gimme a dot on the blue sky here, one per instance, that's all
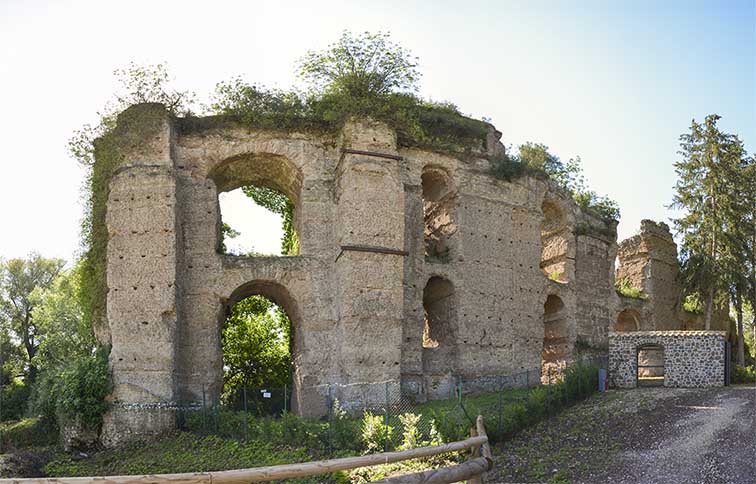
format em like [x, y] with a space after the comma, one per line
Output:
[614, 82]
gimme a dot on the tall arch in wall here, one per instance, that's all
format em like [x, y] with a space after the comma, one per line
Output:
[282, 297]
[439, 213]
[440, 326]
[556, 349]
[554, 242]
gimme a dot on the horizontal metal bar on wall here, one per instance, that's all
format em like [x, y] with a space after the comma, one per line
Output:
[374, 153]
[368, 248]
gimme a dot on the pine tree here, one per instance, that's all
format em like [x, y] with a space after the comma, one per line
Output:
[708, 193]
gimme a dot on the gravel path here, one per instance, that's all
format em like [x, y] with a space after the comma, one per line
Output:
[644, 436]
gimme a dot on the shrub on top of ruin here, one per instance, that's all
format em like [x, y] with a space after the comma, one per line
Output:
[626, 289]
[534, 159]
[361, 66]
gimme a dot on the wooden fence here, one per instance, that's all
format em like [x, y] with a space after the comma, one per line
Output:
[474, 469]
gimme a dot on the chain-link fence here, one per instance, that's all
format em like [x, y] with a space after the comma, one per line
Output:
[382, 416]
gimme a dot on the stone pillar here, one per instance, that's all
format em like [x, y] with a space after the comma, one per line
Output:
[649, 262]
[370, 266]
[141, 274]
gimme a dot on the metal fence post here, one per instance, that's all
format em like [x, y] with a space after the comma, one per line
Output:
[246, 415]
[501, 406]
[204, 410]
[386, 420]
[217, 415]
[459, 406]
[330, 411]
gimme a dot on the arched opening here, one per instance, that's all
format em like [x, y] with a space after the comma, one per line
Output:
[439, 199]
[555, 340]
[259, 349]
[554, 242]
[650, 365]
[439, 326]
[627, 320]
[258, 196]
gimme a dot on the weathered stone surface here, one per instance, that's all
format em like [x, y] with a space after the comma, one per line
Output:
[690, 358]
[442, 226]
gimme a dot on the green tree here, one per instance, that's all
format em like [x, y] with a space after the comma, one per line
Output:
[22, 282]
[256, 346]
[361, 66]
[745, 226]
[59, 314]
[280, 204]
[137, 84]
[706, 192]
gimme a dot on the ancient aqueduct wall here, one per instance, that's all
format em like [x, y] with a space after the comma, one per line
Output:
[510, 274]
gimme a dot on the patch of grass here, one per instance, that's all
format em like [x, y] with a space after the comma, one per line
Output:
[242, 440]
[26, 433]
[179, 452]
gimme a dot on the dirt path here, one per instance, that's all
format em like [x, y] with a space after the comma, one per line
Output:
[644, 436]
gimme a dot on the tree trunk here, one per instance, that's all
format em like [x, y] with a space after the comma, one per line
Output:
[741, 336]
[709, 307]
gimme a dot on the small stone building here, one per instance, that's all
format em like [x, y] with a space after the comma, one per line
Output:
[668, 358]
[414, 267]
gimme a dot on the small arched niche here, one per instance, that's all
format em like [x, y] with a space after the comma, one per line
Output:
[258, 201]
[628, 320]
[650, 365]
[439, 325]
[554, 242]
[439, 217]
[555, 339]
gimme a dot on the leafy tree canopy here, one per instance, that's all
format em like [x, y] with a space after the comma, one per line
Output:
[22, 282]
[361, 66]
[256, 352]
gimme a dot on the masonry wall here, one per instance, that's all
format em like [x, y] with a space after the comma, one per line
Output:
[691, 358]
[356, 292]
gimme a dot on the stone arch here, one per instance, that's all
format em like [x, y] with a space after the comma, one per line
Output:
[555, 338]
[439, 212]
[440, 326]
[650, 364]
[266, 170]
[628, 320]
[555, 241]
[282, 297]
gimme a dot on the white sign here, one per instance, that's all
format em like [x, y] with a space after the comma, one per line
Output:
[266, 394]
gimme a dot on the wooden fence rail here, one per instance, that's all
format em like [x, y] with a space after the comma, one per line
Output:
[476, 466]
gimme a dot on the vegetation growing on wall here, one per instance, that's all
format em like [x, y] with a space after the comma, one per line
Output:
[363, 75]
[534, 159]
[626, 289]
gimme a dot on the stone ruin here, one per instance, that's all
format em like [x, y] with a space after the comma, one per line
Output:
[415, 267]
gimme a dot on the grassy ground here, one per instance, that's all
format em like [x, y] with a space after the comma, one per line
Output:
[232, 440]
[581, 441]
